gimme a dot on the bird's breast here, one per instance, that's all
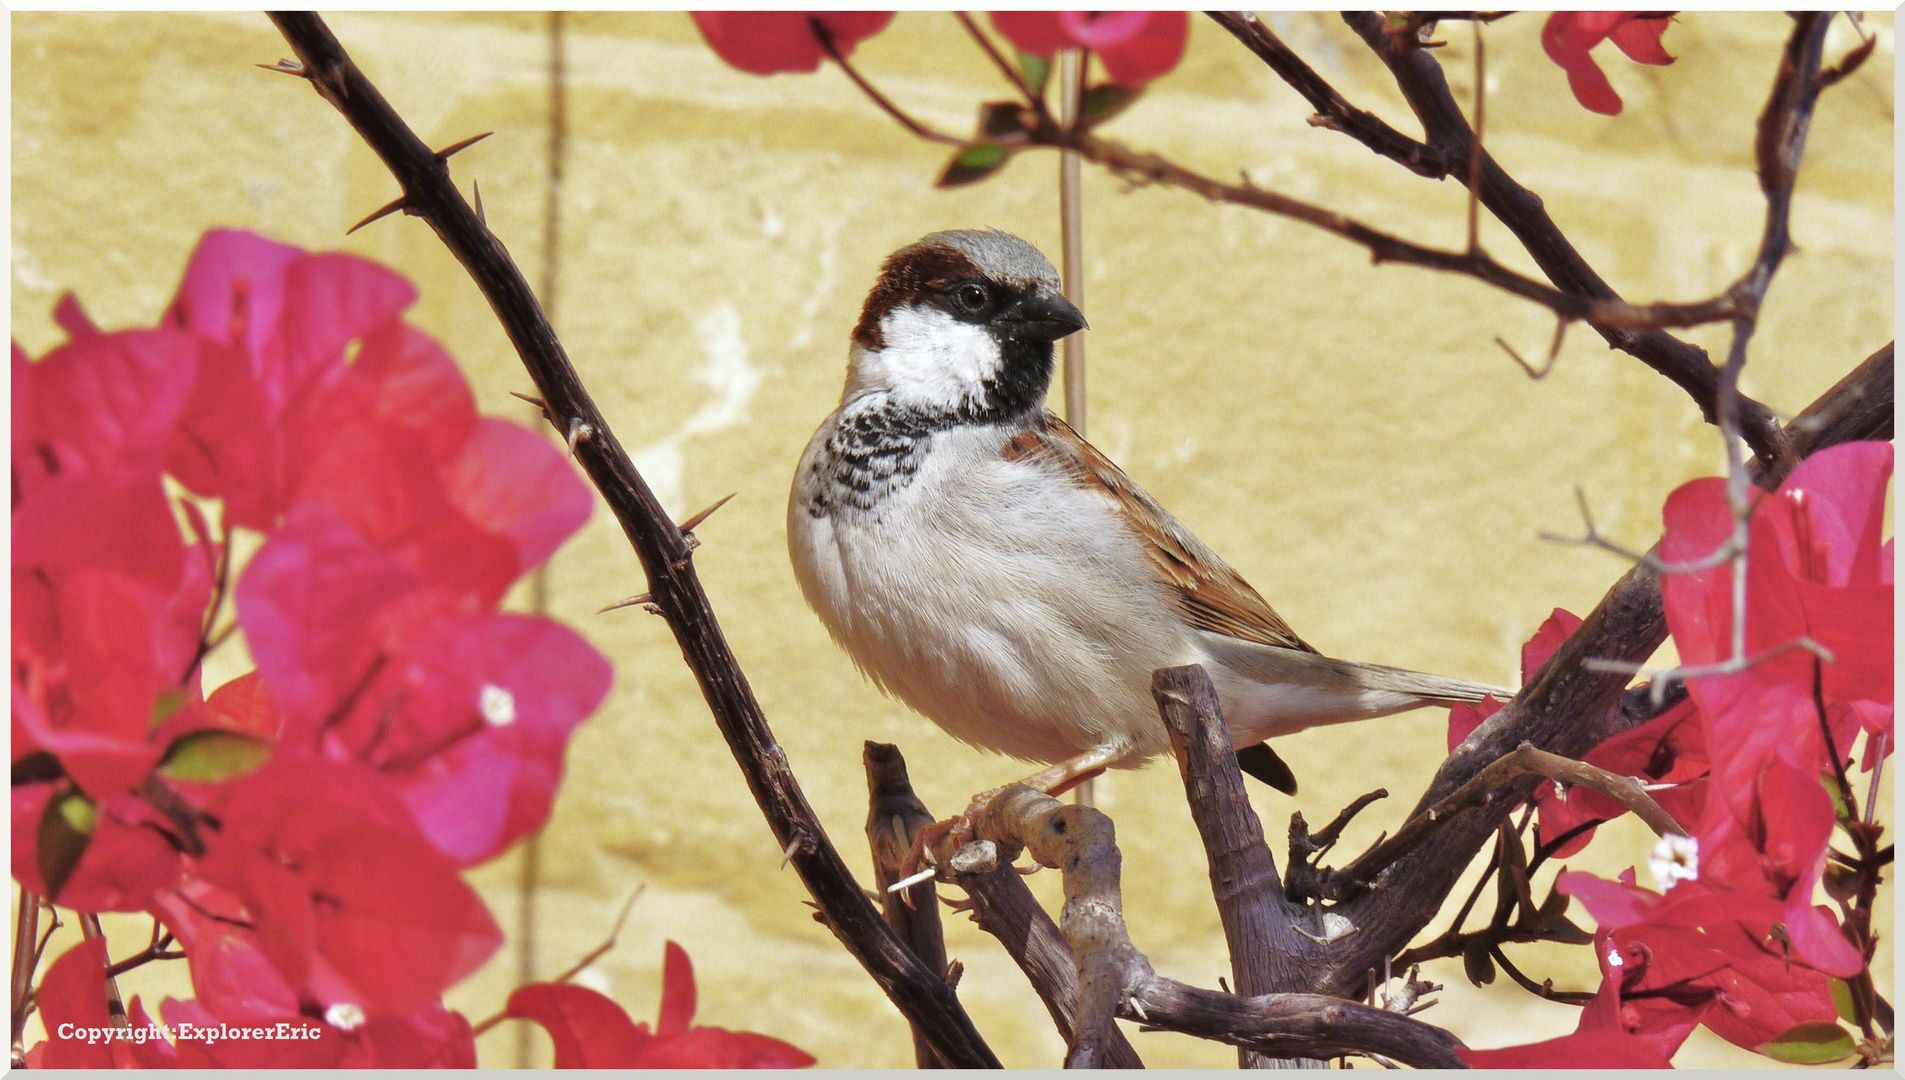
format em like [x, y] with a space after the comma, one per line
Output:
[1010, 606]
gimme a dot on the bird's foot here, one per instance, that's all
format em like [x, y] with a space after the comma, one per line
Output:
[960, 829]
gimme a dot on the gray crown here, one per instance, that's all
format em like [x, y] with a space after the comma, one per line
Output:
[1000, 256]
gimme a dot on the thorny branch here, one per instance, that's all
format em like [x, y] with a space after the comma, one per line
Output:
[920, 993]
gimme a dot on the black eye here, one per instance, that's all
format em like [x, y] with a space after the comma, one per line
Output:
[971, 297]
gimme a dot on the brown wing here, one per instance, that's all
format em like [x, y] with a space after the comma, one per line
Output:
[1210, 595]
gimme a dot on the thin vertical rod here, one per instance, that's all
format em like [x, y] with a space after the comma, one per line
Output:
[1071, 218]
[1071, 210]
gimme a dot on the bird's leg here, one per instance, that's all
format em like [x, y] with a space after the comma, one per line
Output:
[1053, 780]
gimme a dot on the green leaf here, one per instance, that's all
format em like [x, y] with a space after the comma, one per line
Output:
[1101, 103]
[212, 757]
[1842, 1001]
[66, 828]
[1037, 69]
[1813, 1043]
[974, 163]
[1477, 964]
[168, 703]
[1839, 807]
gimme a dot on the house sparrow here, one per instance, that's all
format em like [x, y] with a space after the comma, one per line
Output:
[981, 561]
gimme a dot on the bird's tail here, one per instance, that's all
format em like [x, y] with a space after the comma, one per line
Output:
[1428, 688]
[1270, 691]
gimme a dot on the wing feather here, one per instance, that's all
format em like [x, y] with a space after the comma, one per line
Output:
[1210, 595]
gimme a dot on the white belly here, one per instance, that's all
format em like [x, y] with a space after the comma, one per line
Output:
[1010, 609]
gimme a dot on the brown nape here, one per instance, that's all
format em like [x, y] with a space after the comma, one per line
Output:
[909, 274]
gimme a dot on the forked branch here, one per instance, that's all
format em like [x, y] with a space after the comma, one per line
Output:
[1447, 150]
[1116, 979]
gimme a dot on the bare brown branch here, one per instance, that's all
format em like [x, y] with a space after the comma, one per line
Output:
[1267, 953]
[1609, 314]
[886, 104]
[895, 817]
[920, 993]
[25, 959]
[1483, 790]
[1115, 978]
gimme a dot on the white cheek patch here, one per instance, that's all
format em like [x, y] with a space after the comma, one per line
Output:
[929, 358]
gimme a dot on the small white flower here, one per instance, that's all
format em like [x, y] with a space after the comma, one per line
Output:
[497, 705]
[345, 1016]
[1675, 859]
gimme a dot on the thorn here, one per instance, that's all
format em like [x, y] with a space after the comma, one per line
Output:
[536, 401]
[480, 218]
[1222, 985]
[1138, 1007]
[286, 67]
[954, 969]
[688, 526]
[444, 154]
[646, 600]
[957, 905]
[799, 840]
[1028, 871]
[907, 883]
[387, 210]
[579, 432]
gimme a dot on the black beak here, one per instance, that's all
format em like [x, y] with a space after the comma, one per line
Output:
[1047, 318]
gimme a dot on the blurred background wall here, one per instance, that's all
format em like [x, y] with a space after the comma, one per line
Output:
[1348, 436]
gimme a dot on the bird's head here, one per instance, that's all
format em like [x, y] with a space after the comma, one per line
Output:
[962, 324]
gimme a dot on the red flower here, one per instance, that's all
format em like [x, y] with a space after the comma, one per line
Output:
[768, 42]
[468, 713]
[1136, 46]
[1701, 953]
[350, 905]
[273, 322]
[107, 606]
[1581, 1050]
[1569, 36]
[128, 853]
[1816, 567]
[1780, 851]
[73, 999]
[99, 401]
[592, 1032]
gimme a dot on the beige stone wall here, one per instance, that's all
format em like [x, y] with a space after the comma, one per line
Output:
[1347, 435]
